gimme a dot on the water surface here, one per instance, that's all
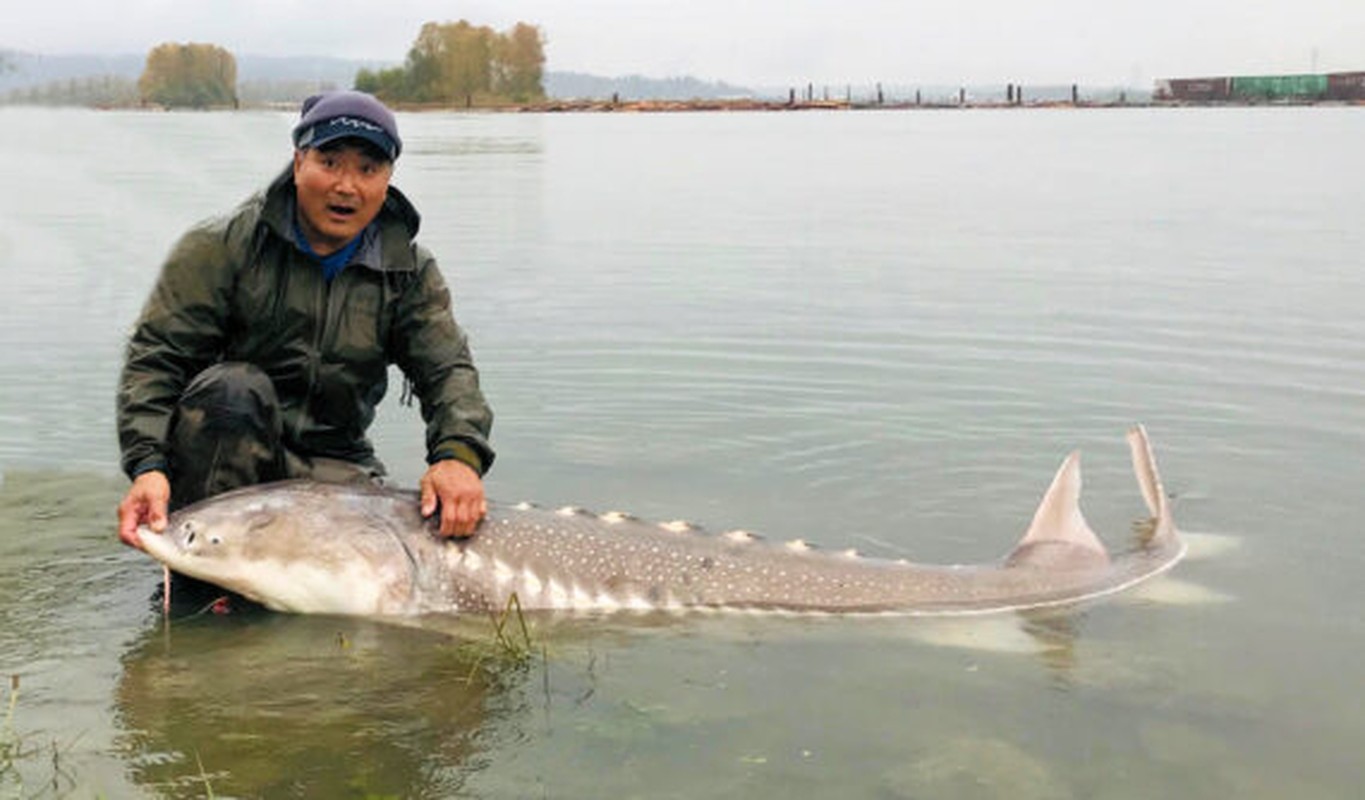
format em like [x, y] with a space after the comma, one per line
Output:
[872, 330]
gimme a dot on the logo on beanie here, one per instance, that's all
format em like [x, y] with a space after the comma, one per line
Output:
[356, 122]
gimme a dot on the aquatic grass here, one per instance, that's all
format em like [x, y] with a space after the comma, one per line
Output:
[14, 750]
[12, 746]
[203, 776]
[511, 644]
[517, 650]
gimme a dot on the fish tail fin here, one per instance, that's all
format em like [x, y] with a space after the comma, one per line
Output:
[1149, 480]
[1059, 536]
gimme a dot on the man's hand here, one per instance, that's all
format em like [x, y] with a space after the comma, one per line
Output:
[455, 487]
[145, 503]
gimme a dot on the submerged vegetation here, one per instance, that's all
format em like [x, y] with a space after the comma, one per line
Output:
[16, 752]
[517, 649]
[11, 746]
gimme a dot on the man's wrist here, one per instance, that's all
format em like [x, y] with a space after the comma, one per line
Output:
[457, 451]
[150, 464]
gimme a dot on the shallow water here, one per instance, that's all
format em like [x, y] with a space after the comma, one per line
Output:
[871, 330]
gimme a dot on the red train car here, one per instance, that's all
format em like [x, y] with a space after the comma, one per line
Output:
[1346, 85]
[1194, 90]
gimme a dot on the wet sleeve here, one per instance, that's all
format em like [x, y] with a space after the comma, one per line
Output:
[433, 352]
[179, 332]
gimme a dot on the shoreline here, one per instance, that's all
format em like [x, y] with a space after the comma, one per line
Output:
[739, 105]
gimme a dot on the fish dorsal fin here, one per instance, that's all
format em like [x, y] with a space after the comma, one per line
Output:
[1059, 532]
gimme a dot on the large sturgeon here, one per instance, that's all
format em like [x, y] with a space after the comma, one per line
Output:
[309, 547]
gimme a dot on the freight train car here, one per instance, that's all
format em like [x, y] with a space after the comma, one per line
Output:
[1194, 90]
[1272, 88]
[1346, 86]
[1341, 86]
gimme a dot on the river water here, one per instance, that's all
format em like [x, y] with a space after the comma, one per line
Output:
[880, 330]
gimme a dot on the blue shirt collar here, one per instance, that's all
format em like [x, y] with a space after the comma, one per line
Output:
[332, 264]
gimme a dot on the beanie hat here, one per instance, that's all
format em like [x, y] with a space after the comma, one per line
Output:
[342, 114]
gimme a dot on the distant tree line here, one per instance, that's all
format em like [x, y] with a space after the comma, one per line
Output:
[103, 91]
[280, 91]
[462, 64]
[189, 75]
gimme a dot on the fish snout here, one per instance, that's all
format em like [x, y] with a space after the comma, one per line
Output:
[182, 538]
[133, 538]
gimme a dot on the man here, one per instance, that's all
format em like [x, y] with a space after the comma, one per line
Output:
[264, 346]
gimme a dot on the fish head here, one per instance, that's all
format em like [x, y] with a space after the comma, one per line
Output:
[285, 553]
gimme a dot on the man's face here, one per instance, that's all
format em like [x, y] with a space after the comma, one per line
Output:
[340, 190]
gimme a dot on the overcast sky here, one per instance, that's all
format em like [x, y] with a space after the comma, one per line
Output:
[758, 42]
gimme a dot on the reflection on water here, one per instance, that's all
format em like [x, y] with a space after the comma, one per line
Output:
[275, 706]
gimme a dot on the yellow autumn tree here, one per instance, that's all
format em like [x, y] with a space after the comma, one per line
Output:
[520, 64]
[189, 75]
[459, 63]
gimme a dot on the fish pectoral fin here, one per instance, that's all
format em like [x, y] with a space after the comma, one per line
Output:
[1059, 536]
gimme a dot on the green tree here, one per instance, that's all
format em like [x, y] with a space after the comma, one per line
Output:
[189, 75]
[463, 64]
[389, 83]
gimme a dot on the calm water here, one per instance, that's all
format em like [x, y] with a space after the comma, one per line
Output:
[877, 330]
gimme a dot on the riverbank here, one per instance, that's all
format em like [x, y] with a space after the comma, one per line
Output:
[599, 106]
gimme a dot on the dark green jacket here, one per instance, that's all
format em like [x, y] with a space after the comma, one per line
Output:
[238, 289]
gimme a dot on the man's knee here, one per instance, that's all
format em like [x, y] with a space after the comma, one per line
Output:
[229, 396]
[225, 433]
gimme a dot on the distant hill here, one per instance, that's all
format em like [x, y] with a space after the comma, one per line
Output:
[27, 69]
[264, 79]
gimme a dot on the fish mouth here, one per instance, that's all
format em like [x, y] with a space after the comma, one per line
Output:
[134, 538]
[156, 545]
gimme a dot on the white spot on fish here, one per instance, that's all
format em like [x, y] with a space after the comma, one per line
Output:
[851, 553]
[523, 506]
[567, 511]
[739, 536]
[472, 561]
[637, 603]
[798, 545]
[676, 526]
[559, 598]
[614, 517]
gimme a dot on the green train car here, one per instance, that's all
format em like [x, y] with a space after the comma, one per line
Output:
[1279, 87]
[1338, 86]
